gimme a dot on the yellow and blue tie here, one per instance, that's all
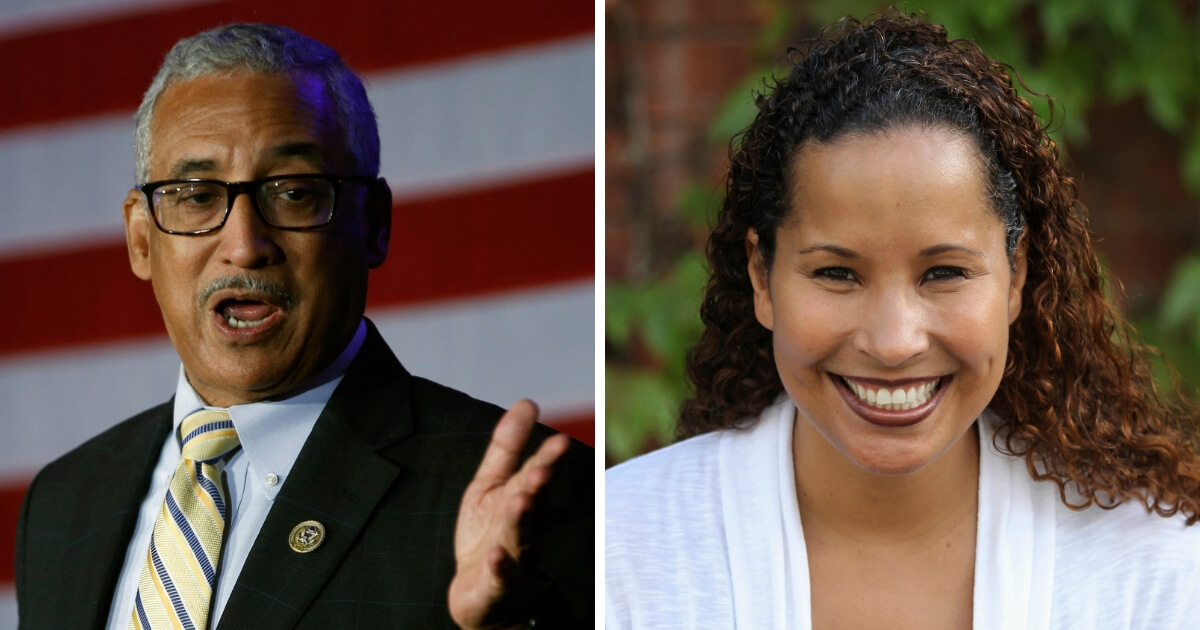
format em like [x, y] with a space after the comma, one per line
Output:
[175, 590]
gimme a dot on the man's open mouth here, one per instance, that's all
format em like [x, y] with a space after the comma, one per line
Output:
[245, 313]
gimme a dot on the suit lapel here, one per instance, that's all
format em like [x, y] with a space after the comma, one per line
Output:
[127, 461]
[337, 480]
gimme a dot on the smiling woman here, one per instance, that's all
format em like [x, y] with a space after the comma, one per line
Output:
[912, 397]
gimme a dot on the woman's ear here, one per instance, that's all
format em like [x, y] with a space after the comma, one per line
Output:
[756, 266]
[1020, 266]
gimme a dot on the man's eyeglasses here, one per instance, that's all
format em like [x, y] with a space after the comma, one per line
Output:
[287, 202]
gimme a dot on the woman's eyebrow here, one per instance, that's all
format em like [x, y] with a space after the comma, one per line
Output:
[832, 249]
[947, 248]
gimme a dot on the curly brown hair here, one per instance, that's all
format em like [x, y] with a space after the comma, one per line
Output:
[1077, 399]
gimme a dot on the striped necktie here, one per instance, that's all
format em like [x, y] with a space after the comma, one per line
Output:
[175, 590]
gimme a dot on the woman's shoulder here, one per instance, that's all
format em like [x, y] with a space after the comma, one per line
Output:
[1125, 528]
[1152, 561]
[668, 475]
[1126, 563]
[1130, 539]
[689, 469]
[664, 528]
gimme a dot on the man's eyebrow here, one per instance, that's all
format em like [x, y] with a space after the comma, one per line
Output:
[832, 249]
[188, 168]
[945, 248]
[307, 150]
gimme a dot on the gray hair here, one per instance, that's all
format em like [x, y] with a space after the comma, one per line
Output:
[267, 49]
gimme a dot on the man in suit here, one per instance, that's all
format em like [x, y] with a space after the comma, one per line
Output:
[345, 492]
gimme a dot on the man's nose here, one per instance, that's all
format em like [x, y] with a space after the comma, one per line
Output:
[247, 241]
[894, 326]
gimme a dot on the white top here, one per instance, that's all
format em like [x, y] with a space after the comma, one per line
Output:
[706, 534]
[272, 434]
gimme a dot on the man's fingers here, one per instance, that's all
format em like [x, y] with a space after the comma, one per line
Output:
[550, 450]
[508, 439]
[536, 470]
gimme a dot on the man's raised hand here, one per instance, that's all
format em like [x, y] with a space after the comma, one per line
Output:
[495, 585]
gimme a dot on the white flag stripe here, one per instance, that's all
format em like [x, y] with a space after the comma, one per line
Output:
[8, 608]
[470, 123]
[19, 16]
[503, 116]
[535, 344]
[93, 161]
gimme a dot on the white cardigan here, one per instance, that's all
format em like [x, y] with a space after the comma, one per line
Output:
[706, 534]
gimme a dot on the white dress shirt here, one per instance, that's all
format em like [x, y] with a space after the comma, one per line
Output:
[272, 434]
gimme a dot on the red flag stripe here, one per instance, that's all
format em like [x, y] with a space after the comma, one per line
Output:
[10, 509]
[471, 243]
[582, 428]
[105, 66]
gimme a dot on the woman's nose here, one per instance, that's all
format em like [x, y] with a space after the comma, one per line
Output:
[893, 327]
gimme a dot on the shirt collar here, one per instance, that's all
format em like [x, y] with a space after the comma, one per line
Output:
[273, 432]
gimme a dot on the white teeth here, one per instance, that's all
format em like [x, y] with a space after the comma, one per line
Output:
[894, 400]
[237, 323]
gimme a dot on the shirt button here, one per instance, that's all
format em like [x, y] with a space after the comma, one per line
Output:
[272, 479]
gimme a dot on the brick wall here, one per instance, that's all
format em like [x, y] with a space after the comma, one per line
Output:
[669, 64]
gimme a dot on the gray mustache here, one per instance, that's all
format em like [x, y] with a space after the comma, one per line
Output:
[247, 283]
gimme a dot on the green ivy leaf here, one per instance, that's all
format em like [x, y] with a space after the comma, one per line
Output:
[1057, 18]
[620, 311]
[738, 110]
[639, 408]
[673, 325]
[955, 15]
[998, 15]
[1120, 16]
[1123, 78]
[1191, 162]
[1181, 300]
[698, 203]
[774, 34]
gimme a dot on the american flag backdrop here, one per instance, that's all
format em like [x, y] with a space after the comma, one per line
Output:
[486, 112]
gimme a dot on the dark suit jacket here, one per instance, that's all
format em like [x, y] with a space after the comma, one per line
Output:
[384, 470]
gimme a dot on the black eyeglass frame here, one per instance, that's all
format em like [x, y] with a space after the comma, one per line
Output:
[249, 188]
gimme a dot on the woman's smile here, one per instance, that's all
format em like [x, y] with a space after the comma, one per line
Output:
[899, 403]
[894, 396]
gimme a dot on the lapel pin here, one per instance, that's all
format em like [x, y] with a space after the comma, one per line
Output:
[306, 536]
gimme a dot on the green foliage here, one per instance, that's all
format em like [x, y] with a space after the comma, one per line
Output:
[1175, 329]
[738, 110]
[661, 319]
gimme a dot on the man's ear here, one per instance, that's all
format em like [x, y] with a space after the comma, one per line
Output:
[1020, 266]
[759, 279]
[378, 207]
[137, 233]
